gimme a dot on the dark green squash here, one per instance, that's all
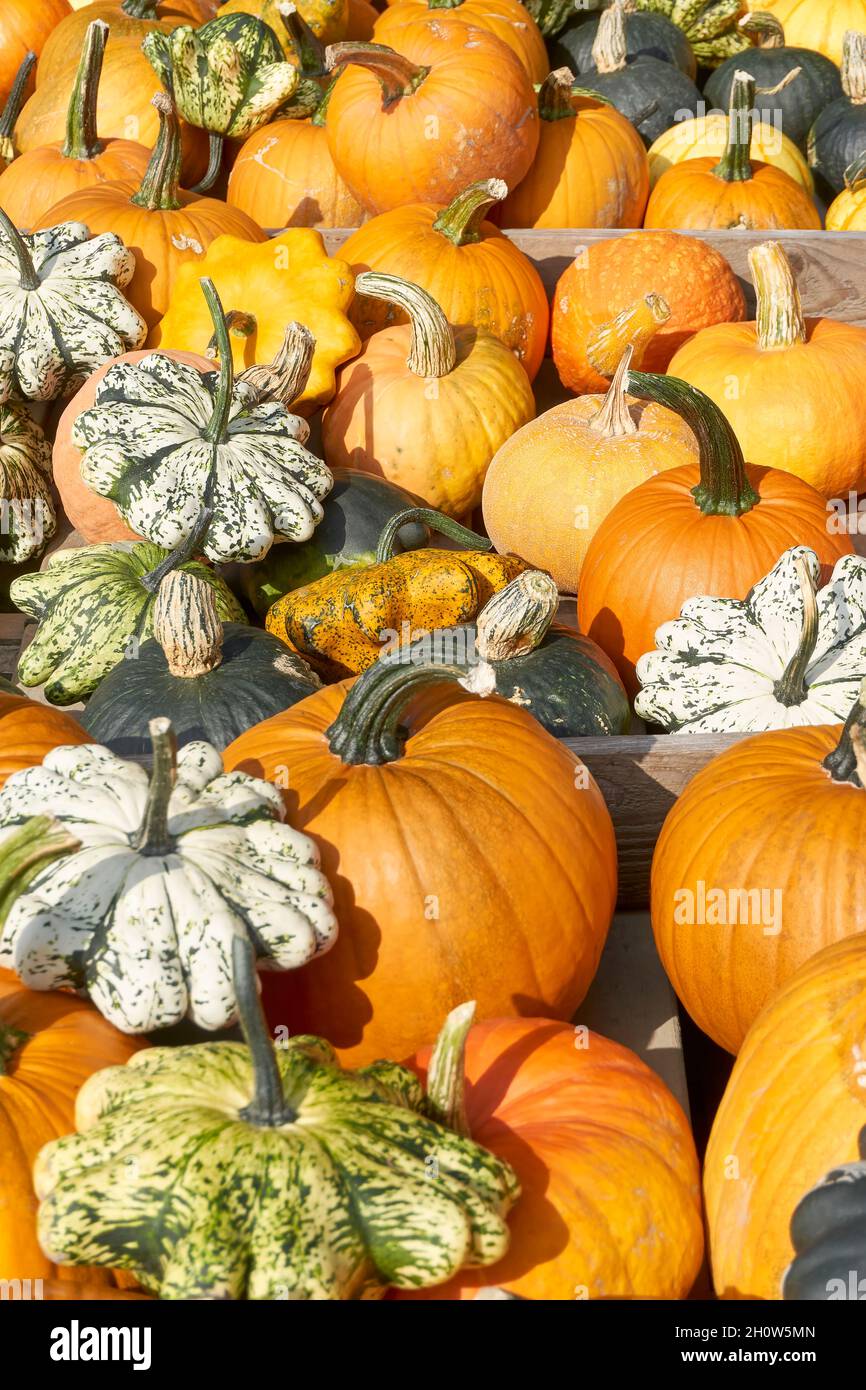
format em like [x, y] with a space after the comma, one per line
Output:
[793, 107]
[653, 95]
[356, 512]
[213, 680]
[646, 35]
[828, 1232]
[838, 136]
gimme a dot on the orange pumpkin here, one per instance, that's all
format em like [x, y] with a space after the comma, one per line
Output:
[792, 1110]
[550, 486]
[326, 18]
[162, 224]
[477, 276]
[610, 1186]
[710, 528]
[29, 730]
[492, 843]
[608, 277]
[50, 1043]
[37, 180]
[128, 19]
[509, 20]
[734, 192]
[284, 176]
[361, 20]
[24, 28]
[818, 363]
[591, 169]
[418, 125]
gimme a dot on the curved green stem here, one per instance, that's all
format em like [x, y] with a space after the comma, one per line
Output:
[14, 102]
[140, 9]
[159, 187]
[847, 762]
[791, 687]
[216, 146]
[397, 76]
[218, 426]
[82, 141]
[307, 47]
[765, 28]
[27, 277]
[320, 115]
[443, 525]
[461, 221]
[724, 489]
[153, 837]
[368, 728]
[735, 165]
[432, 351]
[446, 1074]
[24, 854]
[268, 1108]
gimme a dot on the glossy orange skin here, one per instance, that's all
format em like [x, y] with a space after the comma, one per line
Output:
[29, 730]
[695, 281]
[68, 1041]
[475, 112]
[284, 176]
[34, 182]
[488, 283]
[485, 850]
[66, 39]
[509, 20]
[656, 549]
[161, 240]
[610, 1203]
[25, 26]
[792, 1111]
[591, 171]
[795, 825]
[689, 196]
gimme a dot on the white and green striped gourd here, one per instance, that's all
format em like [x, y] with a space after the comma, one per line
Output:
[27, 515]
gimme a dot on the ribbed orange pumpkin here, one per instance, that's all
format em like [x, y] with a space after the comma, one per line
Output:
[29, 730]
[792, 1110]
[162, 224]
[40, 178]
[610, 1203]
[591, 169]
[767, 815]
[418, 125]
[492, 843]
[129, 19]
[284, 176]
[477, 276]
[25, 26]
[606, 278]
[713, 528]
[550, 486]
[509, 20]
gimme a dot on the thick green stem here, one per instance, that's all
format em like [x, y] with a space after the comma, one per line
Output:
[443, 525]
[308, 49]
[791, 687]
[82, 141]
[461, 221]
[140, 9]
[268, 1108]
[735, 165]
[27, 277]
[555, 96]
[724, 489]
[397, 76]
[765, 27]
[847, 762]
[368, 728]
[159, 187]
[320, 115]
[216, 146]
[12, 109]
[153, 837]
[432, 352]
[24, 854]
[446, 1074]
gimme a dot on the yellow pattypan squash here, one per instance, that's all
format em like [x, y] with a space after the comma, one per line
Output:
[287, 278]
[328, 19]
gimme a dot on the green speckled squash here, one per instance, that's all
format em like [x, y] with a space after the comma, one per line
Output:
[27, 515]
[91, 605]
[171, 868]
[711, 26]
[231, 1171]
[213, 681]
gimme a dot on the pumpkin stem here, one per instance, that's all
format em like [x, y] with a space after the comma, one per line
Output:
[432, 352]
[12, 109]
[724, 489]
[216, 430]
[27, 277]
[436, 521]
[368, 728]
[306, 46]
[285, 378]
[791, 687]
[633, 327]
[396, 75]
[854, 67]
[847, 762]
[24, 854]
[216, 145]
[320, 115]
[735, 165]
[610, 48]
[153, 837]
[139, 9]
[446, 1074]
[855, 174]
[237, 321]
[614, 419]
[461, 221]
[82, 141]
[765, 28]
[780, 321]
[161, 180]
[515, 620]
[268, 1108]
[187, 625]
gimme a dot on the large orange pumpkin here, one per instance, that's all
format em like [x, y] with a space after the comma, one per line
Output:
[550, 486]
[610, 1187]
[817, 363]
[40, 178]
[793, 1109]
[418, 125]
[716, 527]
[607, 277]
[477, 276]
[591, 169]
[161, 223]
[25, 26]
[768, 816]
[509, 20]
[29, 730]
[129, 19]
[479, 842]
[284, 176]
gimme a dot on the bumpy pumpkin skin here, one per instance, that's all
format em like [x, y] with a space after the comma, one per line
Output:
[691, 198]
[509, 20]
[798, 1075]
[446, 890]
[284, 176]
[764, 814]
[818, 24]
[610, 1204]
[695, 281]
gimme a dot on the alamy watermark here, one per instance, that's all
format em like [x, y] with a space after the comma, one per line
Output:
[729, 907]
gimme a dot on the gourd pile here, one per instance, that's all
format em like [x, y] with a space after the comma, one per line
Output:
[302, 881]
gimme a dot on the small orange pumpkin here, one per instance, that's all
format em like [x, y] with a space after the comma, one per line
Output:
[25, 27]
[509, 20]
[29, 730]
[128, 19]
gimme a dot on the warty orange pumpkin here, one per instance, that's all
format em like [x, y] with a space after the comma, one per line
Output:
[713, 528]
[25, 28]
[129, 19]
[493, 843]
[509, 20]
